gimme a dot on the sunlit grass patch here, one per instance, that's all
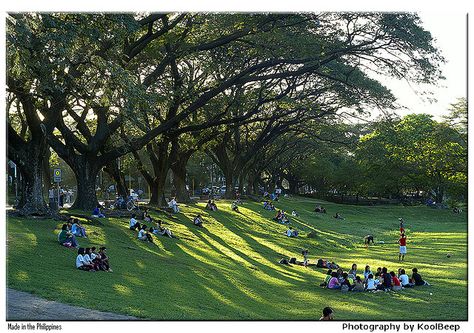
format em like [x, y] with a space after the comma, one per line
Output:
[229, 269]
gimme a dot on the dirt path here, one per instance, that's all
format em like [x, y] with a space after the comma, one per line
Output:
[25, 306]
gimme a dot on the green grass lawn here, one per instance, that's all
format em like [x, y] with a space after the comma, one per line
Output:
[230, 270]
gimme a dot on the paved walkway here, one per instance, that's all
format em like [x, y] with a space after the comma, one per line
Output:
[25, 306]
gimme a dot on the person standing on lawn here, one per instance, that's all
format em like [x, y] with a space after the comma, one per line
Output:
[403, 247]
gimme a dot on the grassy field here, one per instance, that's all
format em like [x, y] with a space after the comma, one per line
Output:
[230, 270]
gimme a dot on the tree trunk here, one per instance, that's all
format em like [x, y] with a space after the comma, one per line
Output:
[112, 168]
[179, 182]
[31, 200]
[179, 160]
[86, 176]
[157, 189]
[229, 184]
[29, 159]
[293, 186]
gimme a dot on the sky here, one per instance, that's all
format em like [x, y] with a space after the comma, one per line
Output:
[450, 31]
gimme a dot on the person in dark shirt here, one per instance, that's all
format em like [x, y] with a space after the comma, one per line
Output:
[417, 280]
[345, 281]
[387, 279]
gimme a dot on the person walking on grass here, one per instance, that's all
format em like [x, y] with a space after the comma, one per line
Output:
[403, 247]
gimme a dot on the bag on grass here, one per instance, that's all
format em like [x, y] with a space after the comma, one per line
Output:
[283, 261]
[293, 261]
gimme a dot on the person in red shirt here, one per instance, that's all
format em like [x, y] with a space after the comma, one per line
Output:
[403, 247]
[396, 286]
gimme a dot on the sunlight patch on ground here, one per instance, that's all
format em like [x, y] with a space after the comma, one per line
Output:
[121, 289]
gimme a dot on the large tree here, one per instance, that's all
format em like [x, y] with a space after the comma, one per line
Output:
[98, 72]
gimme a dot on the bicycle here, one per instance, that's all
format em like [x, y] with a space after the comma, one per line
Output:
[133, 204]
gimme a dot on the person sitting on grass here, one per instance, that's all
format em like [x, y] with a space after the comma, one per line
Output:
[198, 220]
[404, 279]
[334, 282]
[77, 229]
[234, 206]
[396, 285]
[94, 255]
[353, 271]
[367, 272]
[134, 225]
[284, 219]
[368, 239]
[143, 235]
[416, 278]
[96, 212]
[294, 213]
[305, 258]
[292, 233]
[328, 314]
[358, 284]
[173, 204]
[146, 216]
[104, 259]
[278, 216]
[88, 260]
[386, 280]
[327, 278]
[370, 283]
[320, 209]
[345, 281]
[159, 230]
[338, 216]
[211, 205]
[81, 264]
[66, 238]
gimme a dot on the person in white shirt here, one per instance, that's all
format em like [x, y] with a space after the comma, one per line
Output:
[370, 283]
[174, 205]
[81, 263]
[143, 235]
[198, 221]
[404, 279]
[134, 225]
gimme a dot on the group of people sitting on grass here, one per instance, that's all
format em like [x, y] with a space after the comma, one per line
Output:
[320, 209]
[89, 260]
[69, 231]
[211, 205]
[382, 280]
[291, 232]
[281, 217]
[268, 205]
[144, 232]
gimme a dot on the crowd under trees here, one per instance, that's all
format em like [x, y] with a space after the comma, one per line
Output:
[265, 97]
